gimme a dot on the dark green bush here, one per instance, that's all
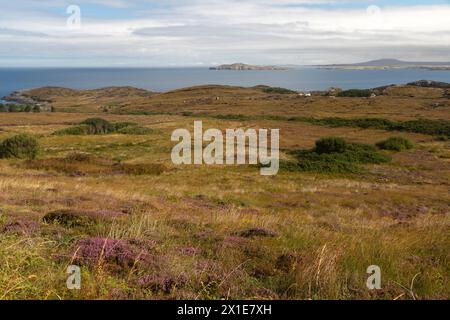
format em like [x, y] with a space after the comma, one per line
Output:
[355, 93]
[330, 145]
[137, 130]
[22, 146]
[101, 126]
[121, 125]
[80, 130]
[426, 126]
[277, 90]
[335, 155]
[395, 144]
[15, 108]
[98, 125]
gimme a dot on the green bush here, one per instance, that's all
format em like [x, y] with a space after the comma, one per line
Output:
[22, 146]
[335, 155]
[98, 126]
[355, 93]
[426, 126]
[137, 130]
[101, 126]
[330, 145]
[395, 144]
[15, 108]
[278, 90]
[117, 126]
[80, 130]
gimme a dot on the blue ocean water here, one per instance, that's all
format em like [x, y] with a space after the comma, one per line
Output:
[165, 79]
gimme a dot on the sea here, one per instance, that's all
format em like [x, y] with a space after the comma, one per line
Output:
[166, 79]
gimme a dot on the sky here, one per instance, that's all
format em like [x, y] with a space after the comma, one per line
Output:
[177, 33]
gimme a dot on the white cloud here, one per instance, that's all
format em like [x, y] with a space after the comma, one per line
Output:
[197, 32]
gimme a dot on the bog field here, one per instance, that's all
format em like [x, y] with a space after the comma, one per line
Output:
[363, 181]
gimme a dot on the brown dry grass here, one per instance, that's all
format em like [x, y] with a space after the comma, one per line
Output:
[191, 224]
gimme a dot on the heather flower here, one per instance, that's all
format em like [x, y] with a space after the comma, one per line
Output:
[95, 251]
[25, 227]
[160, 283]
[189, 251]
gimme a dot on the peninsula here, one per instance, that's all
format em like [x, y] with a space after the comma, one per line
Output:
[247, 67]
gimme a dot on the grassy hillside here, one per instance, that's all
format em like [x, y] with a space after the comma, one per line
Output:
[141, 227]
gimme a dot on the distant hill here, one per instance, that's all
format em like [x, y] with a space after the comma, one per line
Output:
[393, 63]
[245, 67]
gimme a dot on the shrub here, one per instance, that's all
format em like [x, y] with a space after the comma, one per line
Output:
[121, 125]
[395, 144]
[325, 163]
[330, 145]
[20, 146]
[98, 125]
[68, 218]
[74, 218]
[101, 126]
[426, 126]
[335, 155]
[355, 93]
[278, 90]
[137, 130]
[82, 129]
[15, 108]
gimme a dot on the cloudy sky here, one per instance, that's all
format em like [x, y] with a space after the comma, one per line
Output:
[140, 33]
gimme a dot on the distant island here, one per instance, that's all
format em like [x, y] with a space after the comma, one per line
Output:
[247, 67]
[389, 64]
